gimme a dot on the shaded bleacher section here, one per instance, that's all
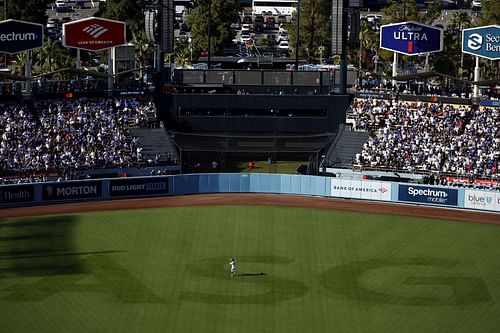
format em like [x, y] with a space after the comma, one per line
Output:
[345, 146]
[157, 147]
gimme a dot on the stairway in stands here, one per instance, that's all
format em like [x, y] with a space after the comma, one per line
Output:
[155, 141]
[345, 147]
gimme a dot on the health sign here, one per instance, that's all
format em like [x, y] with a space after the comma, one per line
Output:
[411, 38]
[17, 36]
[482, 42]
[93, 34]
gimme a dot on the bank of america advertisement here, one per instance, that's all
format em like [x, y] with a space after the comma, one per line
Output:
[484, 200]
[360, 189]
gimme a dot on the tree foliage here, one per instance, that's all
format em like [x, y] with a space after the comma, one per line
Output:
[314, 28]
[407, 10]
[27, 10]
[129, 11]
[490, 13]
[223, 14]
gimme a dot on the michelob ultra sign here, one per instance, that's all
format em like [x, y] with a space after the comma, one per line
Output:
[482, 41]
[411, 38]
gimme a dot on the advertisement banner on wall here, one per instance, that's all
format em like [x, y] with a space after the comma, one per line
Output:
[138, 186]
[428, 195]
[17, 194]
[360, 189]
[484, 200]
[72, 190]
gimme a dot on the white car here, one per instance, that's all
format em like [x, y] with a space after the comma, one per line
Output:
[283, 45]
[245, 36]
[476, 4]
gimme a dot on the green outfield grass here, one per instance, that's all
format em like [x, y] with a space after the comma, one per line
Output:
[299, 270]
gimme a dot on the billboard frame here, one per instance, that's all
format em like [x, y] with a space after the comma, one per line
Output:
[67, 24]
[441, 37]
[26, 23]
[479, 28]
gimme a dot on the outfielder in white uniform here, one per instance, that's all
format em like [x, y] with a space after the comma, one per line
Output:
[232, 265]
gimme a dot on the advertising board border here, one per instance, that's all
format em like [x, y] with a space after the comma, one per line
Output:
[256, 183]
[29, 23]
[88, 19]
[478, 28]
[441, 36]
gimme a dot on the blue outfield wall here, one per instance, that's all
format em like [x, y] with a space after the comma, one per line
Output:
[107, 189]
[251, 183]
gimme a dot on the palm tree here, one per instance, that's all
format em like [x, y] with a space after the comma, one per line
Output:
[143, 49]
[19, 62]
[50, 57]
[460, 20]
[366, 40]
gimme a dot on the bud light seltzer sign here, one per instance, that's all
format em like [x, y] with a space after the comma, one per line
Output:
[482, 41]
[411, 38]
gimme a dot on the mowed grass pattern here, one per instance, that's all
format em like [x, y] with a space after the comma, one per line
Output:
[299, 270]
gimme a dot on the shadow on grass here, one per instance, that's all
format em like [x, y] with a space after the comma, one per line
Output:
[251, 274]
[40, 246]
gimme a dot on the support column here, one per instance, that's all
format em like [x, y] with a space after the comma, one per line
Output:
[27, 72]
[395, 68]
[477, 77]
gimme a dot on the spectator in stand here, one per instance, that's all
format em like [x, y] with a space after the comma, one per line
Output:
[69, 135]
[411, 136]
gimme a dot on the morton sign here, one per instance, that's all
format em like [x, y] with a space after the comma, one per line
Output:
[17, 36]
[482, 41]
[93, 34]
[411, 38]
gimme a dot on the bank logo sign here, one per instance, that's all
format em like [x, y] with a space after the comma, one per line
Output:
[428, 195]
[482, 41]
[17, 36]
[95, 30]
[360, 189]
[93, 34]
[411, 38]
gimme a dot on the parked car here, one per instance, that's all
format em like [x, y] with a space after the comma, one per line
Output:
[270, 22]
[245, 36]
[476, 5]
[64, 19]
[283, 45]
[62, 6]
[281, 19]
[52, 23]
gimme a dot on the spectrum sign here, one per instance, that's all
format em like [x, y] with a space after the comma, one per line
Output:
[93, 34]
[411, 38]
[482, 41]
[17, 36]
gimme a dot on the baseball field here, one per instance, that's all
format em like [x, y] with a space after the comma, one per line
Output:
[298, 270]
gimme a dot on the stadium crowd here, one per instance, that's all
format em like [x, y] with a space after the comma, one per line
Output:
[413, 136]
[63, 136]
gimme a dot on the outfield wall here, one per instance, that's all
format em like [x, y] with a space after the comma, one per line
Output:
[108, 189]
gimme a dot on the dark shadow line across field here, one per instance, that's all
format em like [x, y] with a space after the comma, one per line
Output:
[45, 255]
[251, 274]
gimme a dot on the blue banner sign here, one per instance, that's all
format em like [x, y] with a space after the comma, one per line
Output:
[138, 186]
[72, 190]
[17, 36]
[491, 103]
[428, 195]
[482, 41]
[411, 38]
